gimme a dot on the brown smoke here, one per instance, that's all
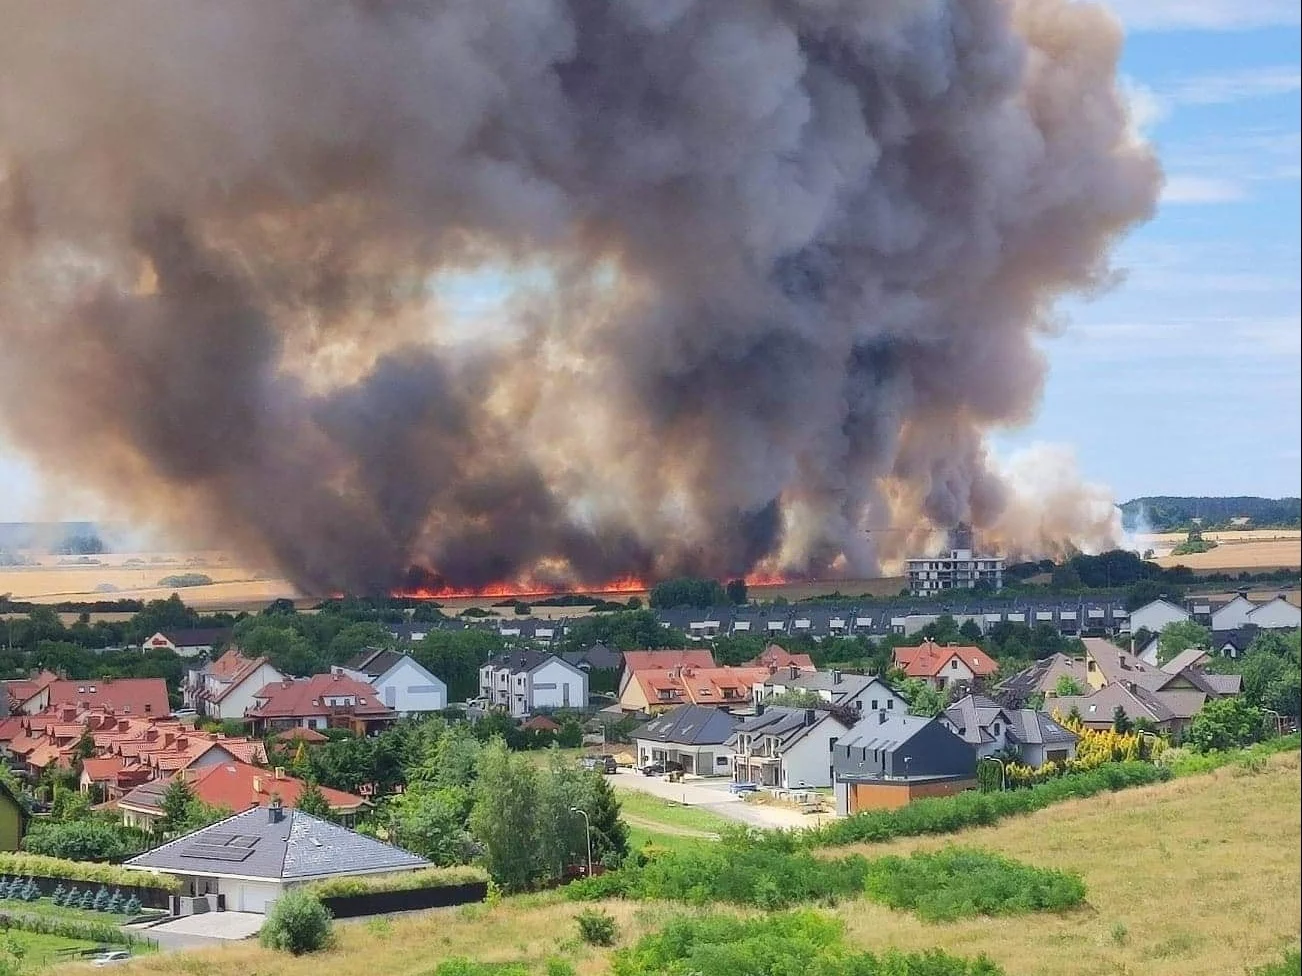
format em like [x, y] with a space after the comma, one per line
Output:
[796, 254]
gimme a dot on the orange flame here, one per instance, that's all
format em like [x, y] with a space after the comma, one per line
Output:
[435, 589]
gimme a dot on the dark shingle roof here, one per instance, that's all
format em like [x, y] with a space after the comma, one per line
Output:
[296, 847]
[874, 733]
[690, 725]
[1036, 728]
[374, 662]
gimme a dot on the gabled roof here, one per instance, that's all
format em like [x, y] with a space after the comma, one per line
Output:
[840, 684]
[305, 697]
[233, 669]
[522, 660]
[1240, 638]
[704, 686]
[128, 696]
[300, 734]
[787, 725]
[199, 636]
[1043, 676]
[21, 690]
[665, 660]
[972, 716]
[1100, 706]
[1189, 657]
[237, 786]
[296, 847]
[689, 725]
[776, 656]
[929, 659]
[375, 661]
[888, 734]
[1036, 728]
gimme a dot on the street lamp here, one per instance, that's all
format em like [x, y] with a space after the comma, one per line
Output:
[1003, 771]
[1279, 719]
[587, 833]
[907, 760]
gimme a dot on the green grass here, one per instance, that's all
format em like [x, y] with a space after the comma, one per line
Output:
[644, 806]
[46, 908]
[41, 951]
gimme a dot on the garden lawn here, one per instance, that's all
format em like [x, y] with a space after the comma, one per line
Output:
[43, 951]
[46, 908]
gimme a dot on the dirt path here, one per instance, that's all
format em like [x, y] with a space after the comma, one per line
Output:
[664, 828]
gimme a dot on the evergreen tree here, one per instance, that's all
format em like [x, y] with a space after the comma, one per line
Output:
[101, 899]
[1121, 721]
[31, 891]
[58, 895]
[87, 900]
[313, 801]
[114, 905]
[176, 805]
[132, 906]
[4, 886]
[609, 832]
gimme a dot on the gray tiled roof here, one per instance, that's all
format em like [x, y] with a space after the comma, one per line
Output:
[1186, 658]
[972, 715]
[296, 847]
[690, 725]
[1036, 728]
[374, 661]
[873, 733]
[847, 685]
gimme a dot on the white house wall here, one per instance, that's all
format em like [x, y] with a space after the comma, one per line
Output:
[1233, 615]
[557, 685]
[409, 689]
[240, 699]
[1276, 615]
[809, 761]
[1155, 616]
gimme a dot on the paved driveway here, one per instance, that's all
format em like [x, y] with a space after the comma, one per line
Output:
[206, 928]
[713, 795]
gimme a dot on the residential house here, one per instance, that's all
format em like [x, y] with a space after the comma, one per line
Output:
[523, 682]
[654, 691]
[28, 695]
[887, 761]
[777, 658]
[598, 657]
[128, 697]
[635, 661]
[233, 786]
[225, 688]
[694, 735]
[13, 819]
[1152, 617]
[787, 748]
[247, 861]
[540, 723]
[943, 664]
[991, 729]
[400, 681]
[192, 642]
[323, 701]
[851, 692]
[1278, 614]
[1234, 643]
[1043, 678]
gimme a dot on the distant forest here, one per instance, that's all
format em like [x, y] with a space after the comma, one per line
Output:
[1162, 513]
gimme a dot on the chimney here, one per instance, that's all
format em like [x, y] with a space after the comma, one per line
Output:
[836, 676]
[1243, 593]
[759, 708]
[279, 772]
[275, 812]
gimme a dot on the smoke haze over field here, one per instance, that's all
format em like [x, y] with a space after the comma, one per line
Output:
[780, 266]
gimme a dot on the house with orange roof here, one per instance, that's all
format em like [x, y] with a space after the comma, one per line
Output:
[655, 690]
[778, 658]
[128, 697]
[30, 695]
[225, 688]
[943, 664]
[233, 786]
[323, 701]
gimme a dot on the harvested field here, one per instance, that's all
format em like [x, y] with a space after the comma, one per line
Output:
[1253, 556]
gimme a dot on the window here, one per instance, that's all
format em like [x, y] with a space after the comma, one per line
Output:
[875, 705]
[831, 744]
[994, 729]
[953, 664]
[890, 704]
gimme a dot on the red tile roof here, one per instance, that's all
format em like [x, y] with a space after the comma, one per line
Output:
[102, 770]
[929, 659]
[124, 696]
[233, 668]
[24, 689]
[238, 786]
[306, 697]
[775, 656]
[700, 686]
[300, 734]
[541, 723]
[663, 660]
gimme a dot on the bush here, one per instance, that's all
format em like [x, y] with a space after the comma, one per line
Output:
[297, 923]
[84, 840]
[73, 928]
[596, 927]
[800, 942]
[42, 866]
[132, 906]
[958, 882]
[1290, 965]
[406, 881]
[458, 966]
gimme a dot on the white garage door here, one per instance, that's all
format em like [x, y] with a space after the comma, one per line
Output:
[249, 896]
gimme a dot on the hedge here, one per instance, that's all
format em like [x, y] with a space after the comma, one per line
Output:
[73, 928]
[951, 883]
[1182, 762]
[402, 881]
[39, 866]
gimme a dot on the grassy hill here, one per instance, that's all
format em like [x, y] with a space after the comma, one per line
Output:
[1196, 877]
[1167, 513]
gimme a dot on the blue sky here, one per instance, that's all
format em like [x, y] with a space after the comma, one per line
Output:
[1185, 379]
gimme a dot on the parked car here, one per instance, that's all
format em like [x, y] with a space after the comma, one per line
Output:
[743, 787]
[660, 768]
[602, 764]
[111, 958]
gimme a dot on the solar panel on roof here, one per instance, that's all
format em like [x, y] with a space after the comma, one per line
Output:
[217, 852]
[243, 840]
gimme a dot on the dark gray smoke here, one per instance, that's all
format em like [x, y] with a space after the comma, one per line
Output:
[796, 254]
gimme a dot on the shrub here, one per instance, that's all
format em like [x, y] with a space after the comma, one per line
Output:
[30, 891]
[596, 927]
[73, 928]
[800, 942]
[1290, 965]
[297, 923]
[468, 967]
[958, 882]
[101, 900]
[84, 840]
[114, 906]
[58, 894]
[87, 900]
[41, 866]
[132, 906]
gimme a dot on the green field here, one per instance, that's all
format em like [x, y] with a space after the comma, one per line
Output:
[39, 951]
[46, 908]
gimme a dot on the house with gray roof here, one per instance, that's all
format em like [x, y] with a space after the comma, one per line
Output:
[787, 748]
[991, 729]
[524, 682]
[696, 736]
[859, 693]
[245, 862]
[400, 681]
[887, 761]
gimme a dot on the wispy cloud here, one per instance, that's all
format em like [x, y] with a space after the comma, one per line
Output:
[1206, 15]
[1234, 86]
[1189, 189]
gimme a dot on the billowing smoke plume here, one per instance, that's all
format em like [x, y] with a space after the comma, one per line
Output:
[779, 265]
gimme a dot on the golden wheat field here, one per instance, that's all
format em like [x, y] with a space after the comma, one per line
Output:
[1197, 877]
[1235, 555]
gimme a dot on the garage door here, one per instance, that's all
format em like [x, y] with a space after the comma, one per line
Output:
[253, 897]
